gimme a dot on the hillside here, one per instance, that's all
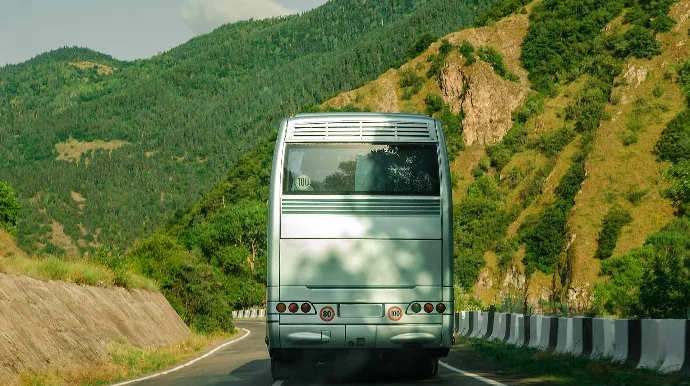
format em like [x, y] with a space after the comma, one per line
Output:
[101, 151]
[558, 170]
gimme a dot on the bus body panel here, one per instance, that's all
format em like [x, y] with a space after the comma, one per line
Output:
[367, 258]
[360, 262]
[326, 226]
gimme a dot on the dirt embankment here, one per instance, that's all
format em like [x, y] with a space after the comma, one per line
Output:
[61, 324]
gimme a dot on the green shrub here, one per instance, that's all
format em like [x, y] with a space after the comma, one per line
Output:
[452, 129]
[613, 224]
[506, 250]
[662, 23]
[499, 155]
[640, 43]
[10, 210]
[534, 105]
[589, 105]
[194, 289]
[434, 104]
[629, 138]
[420, 46]
[658, 90]
[467, 51]
[684, 79]
[635, 15]
[439, 60]
[635, 196]
[479, 223]
[411, 83]
[544, 236]
[570, 184]
[513, 177]
[552, 142]
[679, 191]
[619, 294]
[674, 143]
[499, 10]
[534, 186]
[665, 288]
[562, 37]
[491, 56]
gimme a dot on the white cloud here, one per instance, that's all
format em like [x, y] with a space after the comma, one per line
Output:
[204, 15]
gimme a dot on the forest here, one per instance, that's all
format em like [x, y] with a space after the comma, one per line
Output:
[172, 124]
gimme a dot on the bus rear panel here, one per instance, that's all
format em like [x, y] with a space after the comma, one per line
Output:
[360, 257]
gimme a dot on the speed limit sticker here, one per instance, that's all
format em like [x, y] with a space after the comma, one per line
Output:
[395, 313]
[303, 182]
[327, 314]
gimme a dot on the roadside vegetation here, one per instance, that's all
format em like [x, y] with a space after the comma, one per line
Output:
[654, 281]
[77, 271]
[124, 362]
[519, 363]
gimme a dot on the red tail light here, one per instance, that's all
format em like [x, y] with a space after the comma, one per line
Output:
[280, 307]
[306, 307]
[440, 308]
[428, 308]
[293, 307]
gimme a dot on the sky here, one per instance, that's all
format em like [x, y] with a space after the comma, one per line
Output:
[125, 29]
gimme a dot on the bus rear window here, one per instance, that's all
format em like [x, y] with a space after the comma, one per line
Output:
[377, 169]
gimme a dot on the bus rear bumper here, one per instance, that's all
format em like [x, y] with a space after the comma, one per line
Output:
[360, 337]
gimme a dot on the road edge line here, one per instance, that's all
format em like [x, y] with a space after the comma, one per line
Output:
[186, 364]
[475, 376]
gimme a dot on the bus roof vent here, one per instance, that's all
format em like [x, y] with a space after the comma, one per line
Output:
[362, 130]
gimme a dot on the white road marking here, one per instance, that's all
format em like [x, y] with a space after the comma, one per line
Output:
[475, 376]
[278, 383]
[188, 363]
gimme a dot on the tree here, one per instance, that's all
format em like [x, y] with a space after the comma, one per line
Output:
[10, 210]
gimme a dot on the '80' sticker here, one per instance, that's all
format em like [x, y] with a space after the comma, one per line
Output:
[327, 314]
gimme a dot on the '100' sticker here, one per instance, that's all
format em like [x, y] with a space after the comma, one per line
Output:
[327, 314]
[303, 182]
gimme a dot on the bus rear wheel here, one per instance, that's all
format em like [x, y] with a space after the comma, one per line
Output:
[427, 368]
[279, 370]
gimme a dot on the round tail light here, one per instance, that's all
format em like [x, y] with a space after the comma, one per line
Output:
[428, 308]
[280, 307]
[293, 307]
[440, 308]
[306, 307]
[415, 307]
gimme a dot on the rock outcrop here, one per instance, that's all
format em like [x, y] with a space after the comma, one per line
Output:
[486, 100]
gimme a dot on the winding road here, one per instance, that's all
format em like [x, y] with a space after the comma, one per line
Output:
[246, 362]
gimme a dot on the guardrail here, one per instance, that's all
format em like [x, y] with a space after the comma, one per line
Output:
[249, 314]
[656, 344]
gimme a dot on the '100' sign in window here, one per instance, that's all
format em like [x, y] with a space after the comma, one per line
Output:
[380, 169]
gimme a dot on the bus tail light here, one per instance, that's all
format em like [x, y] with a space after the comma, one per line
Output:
[293, 307]
[440, 308]
[280, 307]
[416, 307]
[306, 307]
[428, 308]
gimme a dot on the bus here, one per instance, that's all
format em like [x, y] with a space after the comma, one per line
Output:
[360, 242]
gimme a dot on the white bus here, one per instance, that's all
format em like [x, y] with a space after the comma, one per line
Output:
[360, 242]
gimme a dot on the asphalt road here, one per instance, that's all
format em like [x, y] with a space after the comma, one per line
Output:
[246, 362]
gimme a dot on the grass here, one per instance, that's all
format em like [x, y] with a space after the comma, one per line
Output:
[72, 149]
[524, 364]
[123, 362]
[76, 271]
